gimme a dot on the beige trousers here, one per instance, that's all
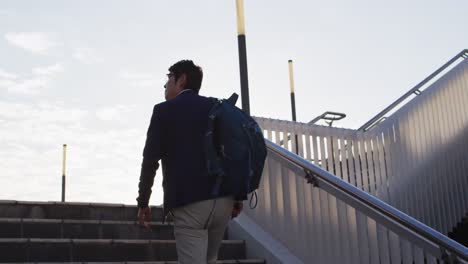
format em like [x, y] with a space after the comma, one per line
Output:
[199, 229]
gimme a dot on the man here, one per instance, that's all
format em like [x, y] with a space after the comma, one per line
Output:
[176, 136]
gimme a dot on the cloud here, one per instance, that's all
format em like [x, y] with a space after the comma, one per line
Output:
[48, 70]
[113, 113]
[26, 87]
[141, 79]
[30, 85]
[43, 111]
[6, 12]
[97, 158]
[86, 55]
[6, 75]
[35, 42]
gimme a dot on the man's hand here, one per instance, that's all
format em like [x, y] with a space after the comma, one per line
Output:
[237, 209]
[144, 217]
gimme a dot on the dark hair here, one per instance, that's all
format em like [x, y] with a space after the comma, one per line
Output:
[193, 73]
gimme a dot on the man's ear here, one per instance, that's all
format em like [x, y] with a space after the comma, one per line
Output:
[182, 81]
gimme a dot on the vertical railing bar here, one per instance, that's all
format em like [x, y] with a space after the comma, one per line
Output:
[406, 165]
[382, 232]
[335, 152]
[364, 243]
[266, 180]
[279, 187]
[342, 208]
[447, 121]
[376, 162]
[353, 235]
[320, 228]
[361, 219]
[370, 164]
[443, 210]
[308, 145]
[388, 161]
[420, 188]
[429, 149]
[451, 185]
[460, 152]
[438, 171]
[300, 186]
[382, 185]
[409, 167]
[317, 198]
[421, 176]
[285, 182]
[464, 98]
[395, 250]
[329, 152]
[410, 190]
[324, 208]
[356, 161]
[435, 144]
[273, 203]
[359, 164]
[293, 132]
[456, 152]
[332, 201]
[294, 212]
[418, 255]
[363, 248]
[317, 158]
[309, 206]
[383, 244]
[350, 159]
[373, 240]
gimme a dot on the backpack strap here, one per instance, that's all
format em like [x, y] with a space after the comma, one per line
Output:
[213, 164]
[251, 199]
[233, 99]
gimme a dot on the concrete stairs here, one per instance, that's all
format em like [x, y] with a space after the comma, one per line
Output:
[91, 232]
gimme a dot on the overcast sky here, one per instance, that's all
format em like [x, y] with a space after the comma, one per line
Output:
[87, 74]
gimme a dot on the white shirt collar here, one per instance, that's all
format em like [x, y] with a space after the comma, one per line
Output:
[183, 91]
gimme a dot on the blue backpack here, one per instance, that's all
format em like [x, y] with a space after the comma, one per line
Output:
[235, 149]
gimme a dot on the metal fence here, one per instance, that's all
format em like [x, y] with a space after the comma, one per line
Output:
[415, 160]
[336, 222]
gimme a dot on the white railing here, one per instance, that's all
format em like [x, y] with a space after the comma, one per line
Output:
[330, 221]
[415, 160]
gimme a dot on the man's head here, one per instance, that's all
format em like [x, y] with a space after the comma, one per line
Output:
[183, 75]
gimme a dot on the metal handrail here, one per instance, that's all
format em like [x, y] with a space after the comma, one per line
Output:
[463, 54]
[328, 115]
[396, 220]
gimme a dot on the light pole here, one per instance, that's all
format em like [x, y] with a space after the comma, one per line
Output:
[242, 56]
[291, 85]
[293, 99]
[63, 171]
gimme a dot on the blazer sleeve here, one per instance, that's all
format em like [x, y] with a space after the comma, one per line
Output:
[151, 157]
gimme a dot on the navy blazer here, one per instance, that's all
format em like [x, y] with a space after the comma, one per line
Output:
[176, 136]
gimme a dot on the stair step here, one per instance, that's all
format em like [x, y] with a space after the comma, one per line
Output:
[233, 261]
[79, 211]
[64, 250]
[82, 229]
